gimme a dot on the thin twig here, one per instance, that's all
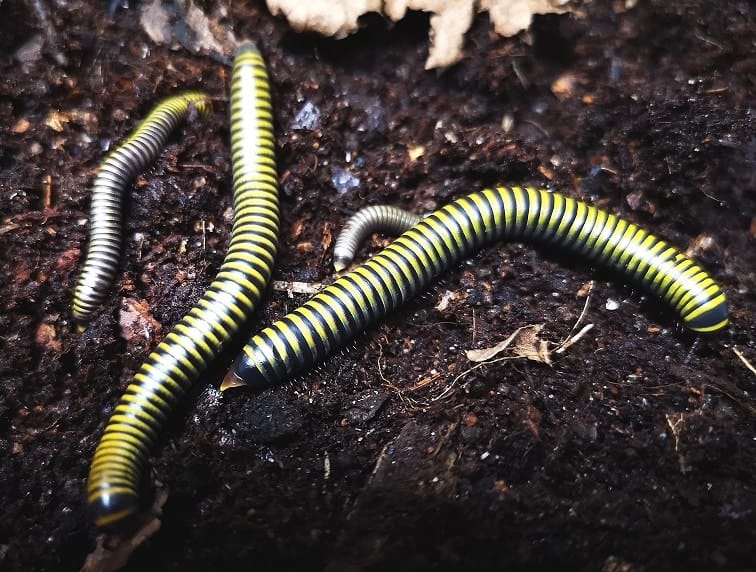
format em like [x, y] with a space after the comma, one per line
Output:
[744, 359]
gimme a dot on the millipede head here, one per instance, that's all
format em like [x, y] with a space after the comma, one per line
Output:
[245, 373]
[246, 46]
[340, 263]
[232, 380]
[114, 510]
[709, 318]
[80, 319]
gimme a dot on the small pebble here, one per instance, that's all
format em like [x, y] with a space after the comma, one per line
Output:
[343, 181]
[307, 119]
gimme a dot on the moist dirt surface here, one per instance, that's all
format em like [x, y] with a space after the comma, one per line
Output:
[635, 450]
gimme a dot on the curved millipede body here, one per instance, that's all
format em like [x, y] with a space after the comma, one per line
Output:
[182, 356]
[358, 299]
[118, 169]
[376, 218]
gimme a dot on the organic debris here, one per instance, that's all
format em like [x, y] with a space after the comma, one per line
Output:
[525, 344]
[449, 21]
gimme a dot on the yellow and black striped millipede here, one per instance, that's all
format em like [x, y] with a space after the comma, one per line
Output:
[116, 172]
[356, 300]
[178, 361]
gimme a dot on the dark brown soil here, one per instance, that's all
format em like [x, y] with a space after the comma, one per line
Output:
[635, 451]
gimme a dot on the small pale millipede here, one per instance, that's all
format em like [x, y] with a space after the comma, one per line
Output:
[366, 221]
[116, 172]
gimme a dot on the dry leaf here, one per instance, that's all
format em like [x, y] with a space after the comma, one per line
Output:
[328, 17]
[297, 287]
[700, 245]
[113, 553]
[528, 345]
[47, 337]
[510, 17]
[525, 342]
[21, 126]
[56, 120]
[449, 21]
[185, 23]
[136, 321]
[448, 297]
[416, 152]
[156, 22]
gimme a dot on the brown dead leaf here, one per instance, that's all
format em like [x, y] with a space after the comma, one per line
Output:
[449, 22]
[511, 17]
[47, 192]
[47, 337]
[546, 172]
[448, 297]
[415, 152]
[136, 322]
[21, 126]
[584, 290]
[528, 345]
[325, 244]
[701, 244]
[563, 87]
[67, 259]
[450, 19]
[56, 120]
[292, 288]
[21, 273]
[533, 420]
[328, 17]
[297, 228]
[500, 487]
[524, 343]
[187, 24]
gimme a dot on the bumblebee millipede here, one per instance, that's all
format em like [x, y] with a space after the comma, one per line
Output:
[359, 298]
[116, 172]
[179, 360]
